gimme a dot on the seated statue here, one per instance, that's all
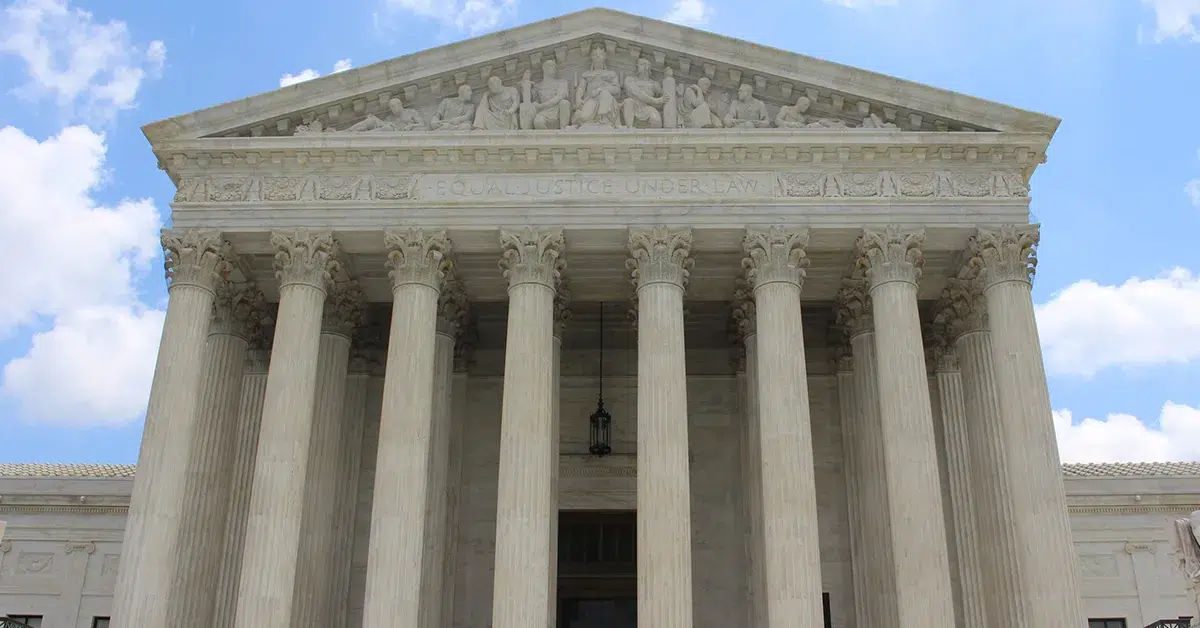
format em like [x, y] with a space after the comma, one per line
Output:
[316, 126]
[596, 96]
[694, 110]
[545, 105]
[873, 121]
[645, 98]
[398, 118]
[747, 112]
[793, 117]
[497, 110]
[455, 113]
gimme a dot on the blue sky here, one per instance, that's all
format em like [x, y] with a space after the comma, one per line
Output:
[81, 199]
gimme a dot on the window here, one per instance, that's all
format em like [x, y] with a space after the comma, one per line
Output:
[99, 622]
[1106, 623]
[828, 615]
[34, 621]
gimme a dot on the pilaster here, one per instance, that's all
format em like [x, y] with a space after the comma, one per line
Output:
[659, 261]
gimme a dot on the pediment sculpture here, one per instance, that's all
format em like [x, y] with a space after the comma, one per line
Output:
[1185, 537]
[597, 98]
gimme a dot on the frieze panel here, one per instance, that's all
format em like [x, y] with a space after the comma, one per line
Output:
[585, 186]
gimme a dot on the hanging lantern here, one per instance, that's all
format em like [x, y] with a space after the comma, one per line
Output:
[600, 421]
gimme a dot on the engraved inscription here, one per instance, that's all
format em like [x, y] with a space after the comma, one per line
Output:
[596, 186]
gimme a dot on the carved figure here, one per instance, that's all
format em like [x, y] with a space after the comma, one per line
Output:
[596, 96]
[456, 113]
[747, 112]
[694, 110]
[873, 121]
[794, 117]
[497, 110]
[316, 126]
[1186, 540]
[545, 105]
[398, 118]
[645, 98]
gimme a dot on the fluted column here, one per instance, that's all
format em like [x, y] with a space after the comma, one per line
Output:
[195, 265]
[965, 316]
[959, 469]
[452, 311]
[776, 263]
[1006, 258]
[854, 314]
[237, 317]
[562, 314]
[745, 317]
[660, 259]
[458, 413]
[241, 481]
[532, 262]
[314, 601]
[848, 411]
[349, 460]
[419, 263]
[303, 264]
[891, 260]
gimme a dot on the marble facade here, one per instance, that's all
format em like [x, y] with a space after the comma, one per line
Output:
[382, 285]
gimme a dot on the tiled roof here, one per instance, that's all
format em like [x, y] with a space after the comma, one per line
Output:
[1106, 469]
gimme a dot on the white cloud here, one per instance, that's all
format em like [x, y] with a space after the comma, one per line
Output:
[309, 74]
[1175, 19]
[1125, 438]
[690, 12]
[94, 367]
[1088, 327]
[860, 4]
[472, 16]
[91, 69]
[73, 266]
[1192, 189]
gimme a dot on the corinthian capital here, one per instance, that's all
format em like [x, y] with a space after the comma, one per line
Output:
[962, 308]
[452, 308]
[415, 257]
[531, 255]
[562, 309]
[775, 255]
[240, 311]
[853, 308]
[1005, 254]
[303, 257]
[345, 309]
[744, 316]
[196, 257]
[891, 255]
[660, 255]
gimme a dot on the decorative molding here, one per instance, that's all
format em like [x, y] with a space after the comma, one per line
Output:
[304, 257]
[453, 307]
[345, 309]
[1005, 254]
[853, 309]
[417, 257]
[775, 255]
[1133, 547]
[562, 308]
[34, 562]
[660, 255]
[241, 311]
[79, 546]
[891, 255]
[5, 546]
[196, 257]
[531, 255]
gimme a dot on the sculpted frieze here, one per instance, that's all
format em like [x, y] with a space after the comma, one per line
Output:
[829, 184]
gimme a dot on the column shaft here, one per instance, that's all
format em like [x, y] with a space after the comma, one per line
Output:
[921, 565]
[753, 488]
[562, 314]
[349, 460]
[241, 480]
[439, 469]
[396, 561]
[990, 459]
[152, 527]
[277, 497]
[664, 535]
[455, 489]
[962, 504]
[206, 496]
[1048, 559]
[525, 492]
[852, 465]
[313, 599]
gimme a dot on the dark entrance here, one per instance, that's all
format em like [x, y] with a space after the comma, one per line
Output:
[597, 569]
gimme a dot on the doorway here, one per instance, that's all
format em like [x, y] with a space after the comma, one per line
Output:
[597, 569]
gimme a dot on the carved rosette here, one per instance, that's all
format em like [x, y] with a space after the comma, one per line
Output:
[962, 308]
[775, 255]
[240, 311]
[1005, 254]
[660, 255]
[532, 255]
[852, 308]
[452, 308]
[891, 255]
[194, 257]
[562, 309]
[302, 257]
[415, 257]
[345, 309]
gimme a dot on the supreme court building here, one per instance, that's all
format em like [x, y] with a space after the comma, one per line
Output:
[600, 321]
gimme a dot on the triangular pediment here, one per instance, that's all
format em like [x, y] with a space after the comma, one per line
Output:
[839, 96]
